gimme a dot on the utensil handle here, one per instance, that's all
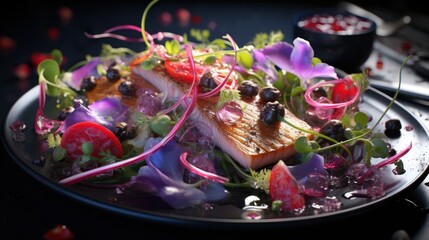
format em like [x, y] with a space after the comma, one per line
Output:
[355, 9]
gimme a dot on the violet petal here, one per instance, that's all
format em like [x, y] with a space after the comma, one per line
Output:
[79, 74]
[110, 108]
[107, 112]
[314, 165]
[163, 177]
[280, 54]
[261, 63]
[301, 60]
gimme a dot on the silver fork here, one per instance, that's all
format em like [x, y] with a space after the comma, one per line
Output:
[384, 28]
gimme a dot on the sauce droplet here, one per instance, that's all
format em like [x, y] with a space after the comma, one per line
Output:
[409, 128]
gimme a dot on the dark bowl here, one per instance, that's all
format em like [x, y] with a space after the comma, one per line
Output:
[347, 50]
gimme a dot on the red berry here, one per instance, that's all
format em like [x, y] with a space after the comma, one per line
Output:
[7, 44]
[60, 232]
[38, 57]
[183, 16]
[165, 18]
[53, 33]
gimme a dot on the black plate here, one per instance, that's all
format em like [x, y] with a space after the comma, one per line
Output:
[231, 214]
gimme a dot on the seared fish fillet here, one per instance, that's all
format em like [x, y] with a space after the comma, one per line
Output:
[250, 142]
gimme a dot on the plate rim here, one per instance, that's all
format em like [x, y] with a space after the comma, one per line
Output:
[214, 222]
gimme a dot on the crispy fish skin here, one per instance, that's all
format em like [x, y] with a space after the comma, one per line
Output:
[249, 141]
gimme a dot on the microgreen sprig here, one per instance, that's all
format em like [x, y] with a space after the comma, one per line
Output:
[375, 145]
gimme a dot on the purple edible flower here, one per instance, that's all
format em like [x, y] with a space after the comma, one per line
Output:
[107, 112]
[163, 177]
[261, 63]
[314, 165]
[297, 59]
[74, 79]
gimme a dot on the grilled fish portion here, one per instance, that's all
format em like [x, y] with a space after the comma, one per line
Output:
[249, 141]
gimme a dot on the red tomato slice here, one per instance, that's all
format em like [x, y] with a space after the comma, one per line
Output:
[101, 138]
[181, 70]
[343, 91]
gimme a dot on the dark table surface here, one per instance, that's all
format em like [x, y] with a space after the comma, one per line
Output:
[29, 208]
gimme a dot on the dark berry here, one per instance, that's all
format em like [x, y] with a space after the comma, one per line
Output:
[269, 94]
[40, 161]
[88, 83]
[334, 129]
[113, 73]
[207, 81]
[392, 152]
[319, 92]
[127, 88]
[123, 131]
[248, 88]
[393, 128]
[271, 111]
[65, 112]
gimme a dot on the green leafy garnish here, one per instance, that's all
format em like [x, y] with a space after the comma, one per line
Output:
[57, 55]
[264, 39]
[261, 179]
[54, 141]
[49, 74]
[172, 47]
[201, 35]
[161, 124]
[107, 51]
[49, 70]
[227, 96]
[245, 59]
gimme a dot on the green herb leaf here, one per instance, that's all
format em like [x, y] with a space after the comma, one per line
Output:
[148, 64]
[161, 124]
[380, 148]
[261, 179]
[172, 47]
[100, 70]
[218, 42]
[53, 140]
[361, 120]
[87, 148]
[200, 35]
[276, 205]
[302, 145]
[57, 55]
[210, 60]
[245, 59]
[297, 90]
[84, 159]
[399, 167]
[315, 61]
[227, 96]
[48, 71]
[59, 153]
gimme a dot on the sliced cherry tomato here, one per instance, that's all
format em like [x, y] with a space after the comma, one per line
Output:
[101, 138]
[181, 70]
[343, 91]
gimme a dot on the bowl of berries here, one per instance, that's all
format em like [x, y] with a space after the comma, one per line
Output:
[339, 38]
